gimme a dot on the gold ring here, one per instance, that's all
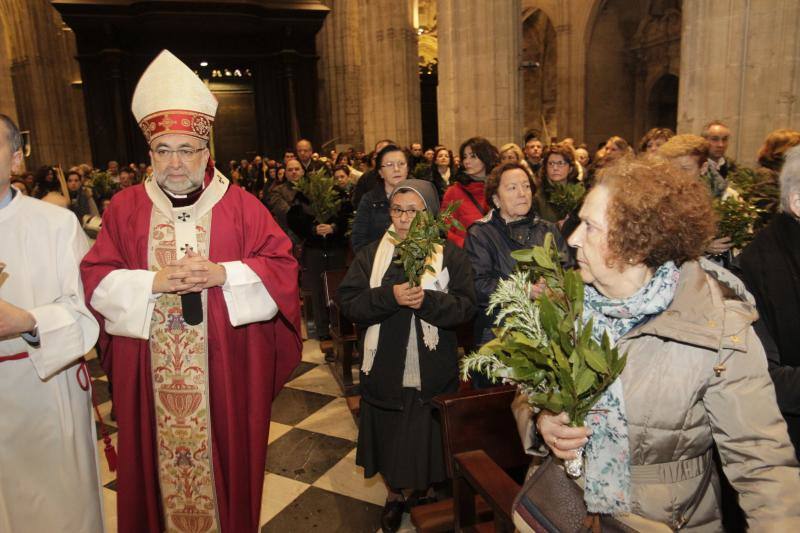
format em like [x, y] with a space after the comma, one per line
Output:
[555, 442]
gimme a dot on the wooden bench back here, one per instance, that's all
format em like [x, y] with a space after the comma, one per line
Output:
[340, 325]
[481, 420]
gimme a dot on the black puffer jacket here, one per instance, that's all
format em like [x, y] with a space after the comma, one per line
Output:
[489, 244]
[372, 217]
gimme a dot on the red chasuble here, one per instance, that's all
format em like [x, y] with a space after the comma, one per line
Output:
[247, 365]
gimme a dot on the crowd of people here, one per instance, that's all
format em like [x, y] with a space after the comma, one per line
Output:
[709, 326]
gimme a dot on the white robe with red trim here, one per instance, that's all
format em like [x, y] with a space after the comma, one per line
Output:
[49, 479]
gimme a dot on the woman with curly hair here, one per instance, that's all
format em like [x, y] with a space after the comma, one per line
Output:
[478, 157]
[771, 156]
[654, 138]
[696, 376]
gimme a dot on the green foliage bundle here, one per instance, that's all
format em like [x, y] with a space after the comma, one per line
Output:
[542, 346]
[759, 189]
[565, 197]
[422, 171]
[736, 220]
[102, 184]
[744, 213]
[318, 187]
[425, 232]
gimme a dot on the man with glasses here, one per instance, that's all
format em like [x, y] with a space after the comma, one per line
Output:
[196, 287]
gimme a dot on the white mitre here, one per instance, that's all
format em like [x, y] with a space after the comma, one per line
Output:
[170, 98]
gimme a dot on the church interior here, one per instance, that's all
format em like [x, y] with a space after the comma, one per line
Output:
[345, 75]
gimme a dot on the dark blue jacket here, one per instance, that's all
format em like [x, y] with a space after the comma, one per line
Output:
[372, 218]
[489, 244]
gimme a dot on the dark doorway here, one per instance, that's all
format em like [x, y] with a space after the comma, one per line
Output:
[663, 103]
[269, 47]
[236, 128]
[428, 84]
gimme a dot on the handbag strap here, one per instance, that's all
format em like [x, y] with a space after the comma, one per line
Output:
[473, 200]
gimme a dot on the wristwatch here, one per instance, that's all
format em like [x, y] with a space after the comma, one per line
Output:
[32, 336]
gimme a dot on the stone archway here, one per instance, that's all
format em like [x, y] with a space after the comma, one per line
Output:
[610, 74]
[662, 103]
[539, 77]
[632, 47]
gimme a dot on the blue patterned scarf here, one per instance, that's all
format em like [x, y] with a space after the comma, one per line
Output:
[607, 467]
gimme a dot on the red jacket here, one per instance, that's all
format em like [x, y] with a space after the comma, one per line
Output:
[467, 212]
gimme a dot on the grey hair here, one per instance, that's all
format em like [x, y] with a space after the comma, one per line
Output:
[13, 136]
[790, 178]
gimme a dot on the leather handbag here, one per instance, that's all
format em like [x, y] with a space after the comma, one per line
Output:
[550, 502]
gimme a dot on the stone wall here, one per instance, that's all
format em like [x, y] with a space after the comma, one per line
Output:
[740, 63]
[340, 74]
[46, 83]
[479, 81]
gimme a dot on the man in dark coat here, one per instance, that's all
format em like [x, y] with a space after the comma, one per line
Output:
[770, 267]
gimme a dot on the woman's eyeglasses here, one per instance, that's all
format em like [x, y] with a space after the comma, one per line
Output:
[396, 212]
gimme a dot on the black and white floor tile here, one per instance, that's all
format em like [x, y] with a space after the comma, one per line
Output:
[311, 482]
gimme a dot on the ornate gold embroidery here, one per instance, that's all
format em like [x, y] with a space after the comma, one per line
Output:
[179, 363]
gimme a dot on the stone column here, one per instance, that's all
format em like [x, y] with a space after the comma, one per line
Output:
[740, 63]
[42, 70]
[390, 75]
[479, 77]
[7, 101]
[339, 74]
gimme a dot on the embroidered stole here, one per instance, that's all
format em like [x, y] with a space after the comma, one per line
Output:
[179, 369]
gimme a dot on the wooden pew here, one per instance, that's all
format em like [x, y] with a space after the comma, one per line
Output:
[477, 421]
[343, 331]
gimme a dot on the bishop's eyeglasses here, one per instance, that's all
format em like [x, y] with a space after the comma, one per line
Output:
[186, 155]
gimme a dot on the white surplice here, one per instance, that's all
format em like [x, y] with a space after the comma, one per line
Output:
[49, 479]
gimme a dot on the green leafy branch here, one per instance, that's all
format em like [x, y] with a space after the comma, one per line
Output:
[323, 197]
[565, 197]
[543, 346]
[424, 234]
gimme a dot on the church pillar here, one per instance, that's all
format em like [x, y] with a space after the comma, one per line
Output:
[740, 63]
[479, 77]
[339, 45]
[42, 71]
[390, 75]
[7, 102]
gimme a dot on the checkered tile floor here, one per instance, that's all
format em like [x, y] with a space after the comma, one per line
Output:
[312, 482]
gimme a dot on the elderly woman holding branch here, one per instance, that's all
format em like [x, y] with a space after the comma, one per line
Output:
[510, 225]
[410, 353]
[696, 374]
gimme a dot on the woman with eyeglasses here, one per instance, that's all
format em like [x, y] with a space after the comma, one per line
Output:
[372, 215]
[558, 166]
[410, 353]
[478, 157]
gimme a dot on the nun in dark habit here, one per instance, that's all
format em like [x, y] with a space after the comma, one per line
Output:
[410, 353]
